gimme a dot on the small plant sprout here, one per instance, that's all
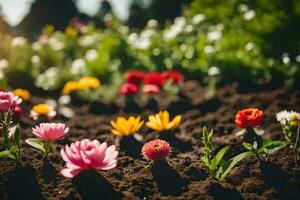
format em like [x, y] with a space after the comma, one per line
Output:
[249, 121]
[42, 110]
[87, 154]
[217, 165]
[46, 134]
[12, 149]
[263, 153]
[156, 150]
[126, 127]
[161, 121]
[290, 123]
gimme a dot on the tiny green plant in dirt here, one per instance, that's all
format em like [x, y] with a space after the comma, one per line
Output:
[290, 123]
[11, 139]
[215, 162]
[267, 148]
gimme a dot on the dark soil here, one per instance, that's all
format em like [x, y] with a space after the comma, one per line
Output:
[183, 176]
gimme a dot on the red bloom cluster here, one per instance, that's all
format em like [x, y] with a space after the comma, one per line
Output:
[152, 81]
[156, 150]
[249, 118]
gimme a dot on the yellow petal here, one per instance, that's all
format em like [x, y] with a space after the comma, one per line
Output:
[151, 118]
[153, 126]
[116, 132]
[165, 119]
[158, 120]
[175, 122]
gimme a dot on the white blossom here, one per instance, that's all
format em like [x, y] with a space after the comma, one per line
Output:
[91, 55]
[243, 8]
[78, 66]
[56, 44]
[198, 18]
[286, 58]
[214, 35]
[86, 41]
[3, 64]
[213, 71]
[35, 59]
[249, 46]
[249, 15]
[152, 23]
[297, 59]
[18, 42]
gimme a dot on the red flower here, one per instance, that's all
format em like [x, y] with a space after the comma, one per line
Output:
[173, 75]
[156, 150]
[129, 89]
[17, 111]
[250, 117]
[154, 78]
[135, 76]
[151, 88]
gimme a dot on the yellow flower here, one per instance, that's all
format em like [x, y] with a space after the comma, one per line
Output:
[71, 31]
[70, 87]
[124, 127]
[89, 82]
[42, 110]
[22, 93]
[161, 121]
[48, 29]
[295, 119]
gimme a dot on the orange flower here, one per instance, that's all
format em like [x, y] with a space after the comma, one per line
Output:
[250, 117]
[22, 93]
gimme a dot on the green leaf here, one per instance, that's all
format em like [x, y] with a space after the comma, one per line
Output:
[217, 159]
[17, 136]
[258, 131]
[15, 151]
[270, 147]
[240, 132]
[6, 154]
[248, 146]
[36, 144]
[228, 165]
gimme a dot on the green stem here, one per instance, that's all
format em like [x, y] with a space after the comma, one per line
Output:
[296, 147]
[47, 149]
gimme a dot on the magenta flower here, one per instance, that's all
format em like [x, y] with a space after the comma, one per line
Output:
[86, 154]
[151, 89]
[50, 131]
[8, 101]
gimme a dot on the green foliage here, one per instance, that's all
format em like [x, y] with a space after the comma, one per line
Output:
[217, 165]
[12, 148]
[38, 144]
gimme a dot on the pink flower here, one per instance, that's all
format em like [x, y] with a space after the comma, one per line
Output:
[17, 111]
[156, 150]
[151, 89]
[86, 154]
[129, 89]
[173, 75]
[50, 131]
[8, 101]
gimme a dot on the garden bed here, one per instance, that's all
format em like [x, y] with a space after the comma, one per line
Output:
[188, 178]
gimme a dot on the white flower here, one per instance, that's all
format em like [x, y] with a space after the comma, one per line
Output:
[87, 40]
[209, 49]
[249, 46]
[283, 116]
[35, 59]
[91, 55]
[18, 42]
[48, 79]
[152, 23]
[213, 71]
[286, 58]
[36, 46]
[3, 64]
[297, 58]
[132, 37]
[214, 35]
[198, 18]
[78, 66]
[189, 29]
[243, 8]
[56, 44]
[249, 15]
[175, 29]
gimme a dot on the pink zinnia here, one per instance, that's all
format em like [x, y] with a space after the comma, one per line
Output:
[151, 89]
[156, 150]
[86, 154]
[154, 78]
[129, 89]
[50, 131]
[8, 101]
[135, 76]
[173, 75]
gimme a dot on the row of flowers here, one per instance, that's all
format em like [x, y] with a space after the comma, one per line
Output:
[87, 154]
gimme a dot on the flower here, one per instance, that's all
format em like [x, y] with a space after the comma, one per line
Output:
[91, 55]
[22, 93]
[154, 78]
[86, 154]
[161, 121]
[18, 42]
[125, 127]
[213, 71]
[151, 88]
[198, 18]
[294, 117]
[17, 111]
[71, 31]
[156, 150]
[42, 110]
[129, 89]
[50, 131]
[89, 82]
[250, 117]
[135, 76]
[78, 66]
[283, 116]
[8, 101]
[173, 75]
[70, 87]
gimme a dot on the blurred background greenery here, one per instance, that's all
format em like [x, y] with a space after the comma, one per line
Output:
[247, 40]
